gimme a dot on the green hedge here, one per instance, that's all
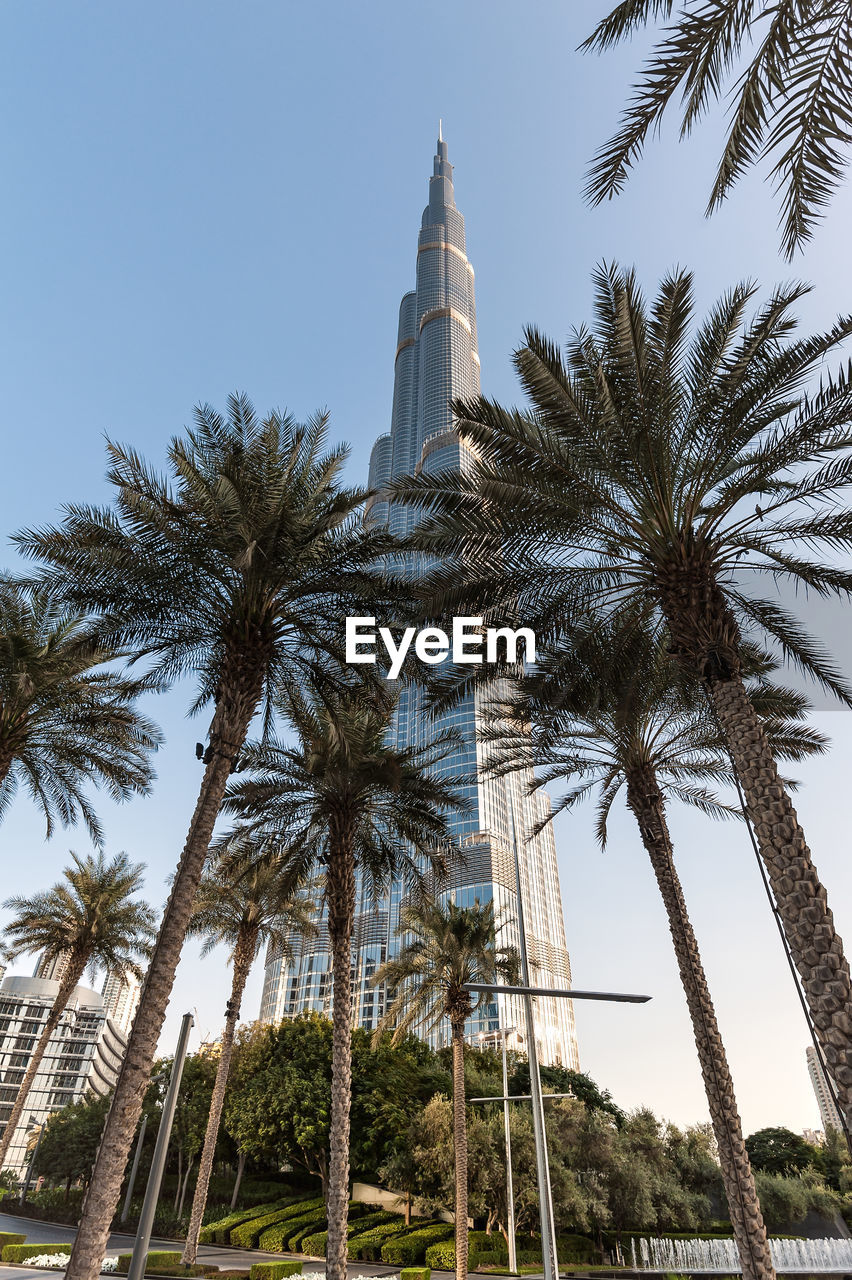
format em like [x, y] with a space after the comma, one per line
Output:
[20, 1252]
[407, 1250]
[274, 1270]
[219, 1232]
[301, 1227]
[247, 1234]
[276, 1238]
[442, 1256]
[414, 1273]
[159, 1259]
[315, 1244]
[368, 1247]
[11, 1237]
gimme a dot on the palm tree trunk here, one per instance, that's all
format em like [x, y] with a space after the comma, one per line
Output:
[816, 948]
[340, 895]
[244, 953]
[460, 1148]
[646, 802]
[236, 707]
[71, 975]
[241, 1167]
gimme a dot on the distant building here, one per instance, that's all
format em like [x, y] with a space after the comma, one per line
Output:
[829, 1114]
[121, 992]
[83, 1056]
[816, 1137]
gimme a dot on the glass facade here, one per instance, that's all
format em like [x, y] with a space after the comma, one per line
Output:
[437, 361]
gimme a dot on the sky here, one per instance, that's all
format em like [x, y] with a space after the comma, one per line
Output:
[203, 197]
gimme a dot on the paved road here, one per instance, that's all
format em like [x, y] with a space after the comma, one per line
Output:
[209, 1255]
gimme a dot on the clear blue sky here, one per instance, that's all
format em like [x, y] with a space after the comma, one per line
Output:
[204, 196]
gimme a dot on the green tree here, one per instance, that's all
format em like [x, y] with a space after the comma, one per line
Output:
[790, 71]
[347, 800]
[70, 1140]
[445, 948]
[779, 1150]
[90, 918]
[64, 720]
[657, 460]
[235, 572]
[248, 899]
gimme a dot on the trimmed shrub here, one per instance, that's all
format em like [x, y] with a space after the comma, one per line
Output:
[315, 1244]
[11, 1237]
[407, 1250]
[274, 1270]
[162, 1262]
[247, 1234]
[276, 1239]
[306, 1226]
[368, 1247]
[219, 1232]
[20, 1252]
[442, 1256]
[414, 1273]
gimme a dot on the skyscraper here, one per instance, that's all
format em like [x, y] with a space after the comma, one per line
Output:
[829, 1114]
[437, 360]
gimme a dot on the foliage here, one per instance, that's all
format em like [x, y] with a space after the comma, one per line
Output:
[274, 1270]
[779, 1150]
[368, 1247]
[11, 1237]
[787, 1200]
[410, 1248]
[414, 1273]
[70, 1140]
[65, 720]
[219, 1232]
[788, 67]
[555, 1079]
[248, 1233]
[20, 1252]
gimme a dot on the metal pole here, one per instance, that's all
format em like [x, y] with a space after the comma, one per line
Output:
[25, 1188]
[158, 1162]
[135, 1169]
[548, 1241]
[510, 1190]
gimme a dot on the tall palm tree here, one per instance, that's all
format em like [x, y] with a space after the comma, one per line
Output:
[235, 572]
[446, 947]
[792, 101]
[351, 803]
[659, 471]
[64, 720]
[89, 919]
[609, 712]
[247, 899]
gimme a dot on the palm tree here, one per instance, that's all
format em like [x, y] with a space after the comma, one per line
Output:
[348, 801]
[89, 919]
[447, 947]
[64, 720]
[792, 103]
[236, 573]
[655, 464]
[247, 900]
[609, 712]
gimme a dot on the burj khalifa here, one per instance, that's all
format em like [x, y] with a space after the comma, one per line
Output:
[436, 361]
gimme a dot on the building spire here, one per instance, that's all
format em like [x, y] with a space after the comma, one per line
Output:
[440, 130]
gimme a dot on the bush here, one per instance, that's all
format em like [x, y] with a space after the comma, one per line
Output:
[219, 1232]
[368, 1247]
[442, 1256]
[162, 1260]
[414, 1273]
[247, 1234]
[274, 1270]
[315, 1244]
[409, 1249]
[276, 1238]
[20, 1252]
[10, 1237]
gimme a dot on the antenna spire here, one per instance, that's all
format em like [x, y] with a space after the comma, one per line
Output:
[440, 130]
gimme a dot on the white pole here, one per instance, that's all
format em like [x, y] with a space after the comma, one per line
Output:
[510, 1190]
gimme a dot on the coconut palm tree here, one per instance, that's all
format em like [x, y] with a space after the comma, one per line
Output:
[608, 711]
[445, 948]
[65, 720]
[791, 101]
[91, 918]
[236, 573]
[675, 473]
[247, 899]
[349, 802]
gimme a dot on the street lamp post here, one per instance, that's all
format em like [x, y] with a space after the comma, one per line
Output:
[158, 1160]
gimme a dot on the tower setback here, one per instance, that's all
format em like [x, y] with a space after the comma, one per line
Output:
[437, 360]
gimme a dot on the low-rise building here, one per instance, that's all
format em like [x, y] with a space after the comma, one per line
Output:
[83, 1056]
